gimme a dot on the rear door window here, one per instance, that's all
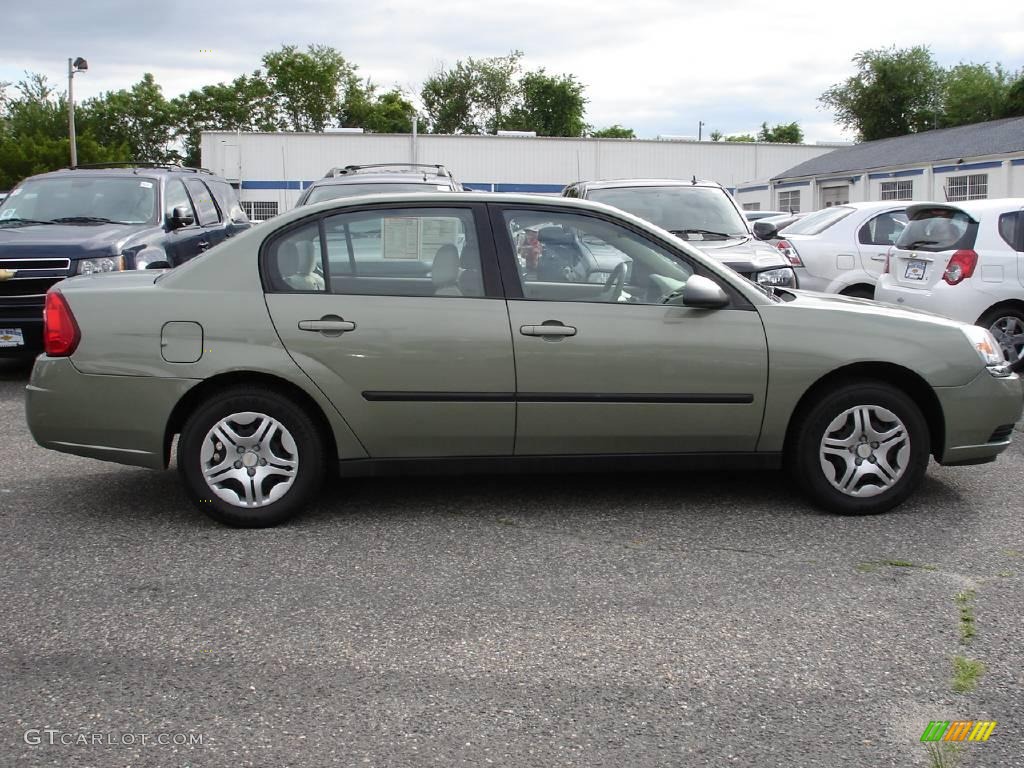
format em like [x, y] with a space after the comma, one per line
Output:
[883, 229]
[206, 209]
[817, 222]
[1011, 229]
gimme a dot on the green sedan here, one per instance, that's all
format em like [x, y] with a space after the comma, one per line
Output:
[478, 332]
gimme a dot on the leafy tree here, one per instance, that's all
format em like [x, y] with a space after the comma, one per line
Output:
[389, 112]
[741, 137]
[475, 96]
[973, 93]
[613, 132]
[716, 135]
[140, 118]
[894, 92]
[784, 133]
[552, 105]
[307, 86]
[1014, 104]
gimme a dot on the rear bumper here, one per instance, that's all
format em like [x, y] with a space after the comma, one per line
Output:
[973, 414]
[31, 331]
[958, 302]
[113, 418]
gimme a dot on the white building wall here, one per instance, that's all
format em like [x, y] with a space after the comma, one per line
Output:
[275, 167]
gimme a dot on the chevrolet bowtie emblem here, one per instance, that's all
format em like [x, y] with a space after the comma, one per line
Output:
[7, 274]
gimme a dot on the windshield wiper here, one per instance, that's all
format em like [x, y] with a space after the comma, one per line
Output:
[723, 235]
[919, 243]
[86, 220]
[15, 220]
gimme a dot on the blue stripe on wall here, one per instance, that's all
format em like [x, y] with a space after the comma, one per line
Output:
[793, 184]
[480, 186]
[548, 188]
[897, 174]
[254, 184]
[967, 166]
[752, 189]
[1018, 161]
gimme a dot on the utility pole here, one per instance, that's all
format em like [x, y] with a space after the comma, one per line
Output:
[76, 65]
[700, 130]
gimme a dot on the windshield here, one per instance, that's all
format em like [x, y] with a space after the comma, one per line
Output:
[335, 191]
[817, 222]
[77, 199]
[693, 213]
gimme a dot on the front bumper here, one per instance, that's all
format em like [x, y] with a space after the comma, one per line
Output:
[974, 412]
[113, 418]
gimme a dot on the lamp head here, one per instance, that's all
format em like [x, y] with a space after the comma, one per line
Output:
[80, 64]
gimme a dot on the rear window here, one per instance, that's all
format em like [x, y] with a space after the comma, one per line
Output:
[938, 229]
[817, 222]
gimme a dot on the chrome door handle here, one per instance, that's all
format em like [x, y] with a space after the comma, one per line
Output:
[202, 245]
[329, 326]
[878, 257]
[547, 330]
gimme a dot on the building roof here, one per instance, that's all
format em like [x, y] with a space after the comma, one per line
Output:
[991, 138]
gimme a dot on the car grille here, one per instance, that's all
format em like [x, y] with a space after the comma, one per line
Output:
[36, 265]
[32, 279]
[34, 286]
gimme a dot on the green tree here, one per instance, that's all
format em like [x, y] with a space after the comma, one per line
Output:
[973, 93]
[474, 96]
[551, 105]
[741, 137]
[716, 135]
[894, 92]
[139, 117]
[245, 104]
[307, 86]
[613, 132]
[389, 112]
[1013, 106]
[783, 133]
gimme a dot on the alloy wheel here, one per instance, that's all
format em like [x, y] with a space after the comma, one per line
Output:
[1009, 332]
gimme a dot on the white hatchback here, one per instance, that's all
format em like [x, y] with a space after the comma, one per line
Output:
[841, 249]
[964, 261]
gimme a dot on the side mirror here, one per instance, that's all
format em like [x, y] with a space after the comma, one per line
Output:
[702, 293]
[765, 230]
[181, 217]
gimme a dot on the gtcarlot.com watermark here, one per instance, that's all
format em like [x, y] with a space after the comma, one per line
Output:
[53, 737]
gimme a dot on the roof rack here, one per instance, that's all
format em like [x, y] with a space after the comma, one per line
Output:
[351, 169]
[142, 164]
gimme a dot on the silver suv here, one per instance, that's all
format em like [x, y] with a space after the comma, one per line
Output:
[380, 178]
[703, 214]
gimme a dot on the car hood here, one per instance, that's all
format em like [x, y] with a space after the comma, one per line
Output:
[743, 255]
[835, 302]
[72, 241]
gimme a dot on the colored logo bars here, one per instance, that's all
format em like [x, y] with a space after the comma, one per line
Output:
[958, 730]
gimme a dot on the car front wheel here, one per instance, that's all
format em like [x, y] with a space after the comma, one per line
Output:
[251, 458]
[861, 448]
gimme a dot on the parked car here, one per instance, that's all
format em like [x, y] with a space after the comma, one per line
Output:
[840, 249]
[279, 358]
[102, 219]
[379, 178]
[965, 261]
[700, 212]
[753, 216]
[774, 226]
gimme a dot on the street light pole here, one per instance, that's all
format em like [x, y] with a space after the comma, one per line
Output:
[75, 65]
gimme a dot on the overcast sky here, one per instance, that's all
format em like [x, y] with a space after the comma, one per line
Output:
[654, 65]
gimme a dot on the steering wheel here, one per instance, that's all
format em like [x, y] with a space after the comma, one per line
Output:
[615, 283]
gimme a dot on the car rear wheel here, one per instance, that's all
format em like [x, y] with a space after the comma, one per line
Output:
[251, 458]
[1007, 325]
[859, 292]
[861, 448]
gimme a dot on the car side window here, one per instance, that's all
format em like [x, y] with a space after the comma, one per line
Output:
[294, 261]
[227, 201]
[574, 257]
[203, 199]
[175, 196]
[404, 252]
[883, 229]
[1011, 229]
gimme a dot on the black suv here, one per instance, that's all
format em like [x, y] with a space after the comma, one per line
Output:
[703, 214]
[380, 178]
[89, 219]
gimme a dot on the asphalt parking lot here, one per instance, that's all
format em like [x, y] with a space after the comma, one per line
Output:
[699, 620]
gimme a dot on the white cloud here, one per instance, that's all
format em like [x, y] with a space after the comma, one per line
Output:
[657, 65]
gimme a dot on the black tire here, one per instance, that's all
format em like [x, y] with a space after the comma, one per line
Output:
[859, 292]
[806, 458]
[1002, 315]
[309, 457]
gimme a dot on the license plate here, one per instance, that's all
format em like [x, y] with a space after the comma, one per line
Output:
[915, 269]
[11, 337]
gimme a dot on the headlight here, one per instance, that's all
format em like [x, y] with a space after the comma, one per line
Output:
[988, 349]
[106, 264]
[598, 277]
[783, 276]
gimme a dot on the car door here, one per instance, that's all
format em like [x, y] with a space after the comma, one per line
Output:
[405, 332]
[181, 243]
[606, 367]
[876, 236]
[208, 216]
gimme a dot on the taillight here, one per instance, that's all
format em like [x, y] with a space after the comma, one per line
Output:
[788, 251]
[961, 266]
[60, 331]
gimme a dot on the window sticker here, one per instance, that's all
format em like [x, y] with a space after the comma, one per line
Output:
[7, 213]
[146, 184]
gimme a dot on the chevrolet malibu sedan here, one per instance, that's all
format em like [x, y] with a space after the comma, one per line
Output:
[299, 349]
